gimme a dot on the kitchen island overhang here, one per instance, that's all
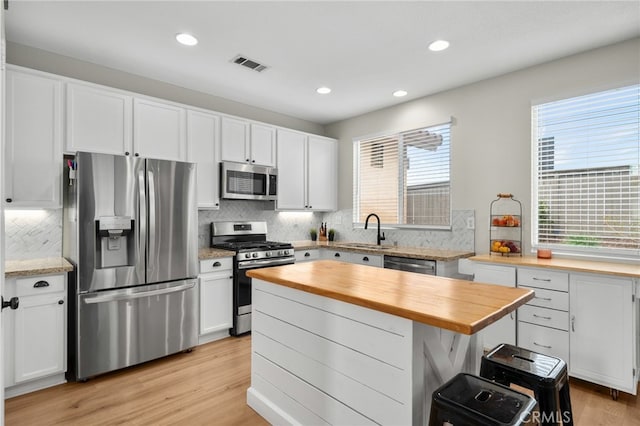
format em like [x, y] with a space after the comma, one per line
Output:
[338, 343]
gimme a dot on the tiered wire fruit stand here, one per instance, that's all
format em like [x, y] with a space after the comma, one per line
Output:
[505, 228]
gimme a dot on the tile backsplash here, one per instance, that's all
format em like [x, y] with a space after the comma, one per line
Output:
[31, 234]
[38, 233]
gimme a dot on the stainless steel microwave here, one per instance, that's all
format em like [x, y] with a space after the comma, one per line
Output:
[241, 181]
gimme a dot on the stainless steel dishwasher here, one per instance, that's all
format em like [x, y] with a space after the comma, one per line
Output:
[419, 266]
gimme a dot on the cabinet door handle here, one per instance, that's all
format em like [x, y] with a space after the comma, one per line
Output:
[336, 255]
[41, 284]
[60, 302]
[540, 316]
[230, 277]
[548, 299]
[548, 280]
[573, 323]
[9, 200]
[248, 160]
[542, 346]
[307, 254]
[126, 153]
[216, 264]
[365, 259]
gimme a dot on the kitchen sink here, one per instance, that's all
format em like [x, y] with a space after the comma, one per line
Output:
[364, 246]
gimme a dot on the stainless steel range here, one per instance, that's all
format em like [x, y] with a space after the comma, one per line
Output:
[249, 241]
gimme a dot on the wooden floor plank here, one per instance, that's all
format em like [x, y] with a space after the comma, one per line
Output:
[208, 387]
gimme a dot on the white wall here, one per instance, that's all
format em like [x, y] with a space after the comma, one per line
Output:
[42, 60]
[491, 132]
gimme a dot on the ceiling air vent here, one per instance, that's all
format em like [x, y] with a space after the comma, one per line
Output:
[246, 62]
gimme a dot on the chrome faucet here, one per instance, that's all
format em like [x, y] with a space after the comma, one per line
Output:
[366, 225]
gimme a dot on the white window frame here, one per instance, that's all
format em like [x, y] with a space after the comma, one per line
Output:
[567, 249]
[356, 180]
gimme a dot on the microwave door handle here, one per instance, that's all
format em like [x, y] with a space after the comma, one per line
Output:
[152, 221]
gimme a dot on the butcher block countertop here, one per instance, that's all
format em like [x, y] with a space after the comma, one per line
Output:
[458, 305]
[577, 265]
[424, 253]
[42, 266]
[214, 253]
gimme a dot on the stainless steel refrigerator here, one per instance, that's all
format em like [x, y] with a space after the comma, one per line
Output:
[130, 227]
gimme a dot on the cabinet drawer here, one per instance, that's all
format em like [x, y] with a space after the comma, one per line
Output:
[544, 340]
[213, 265]
[549, 298]
[544, 316]
[43, 284]
[306, 255]
[366, 259]
[541, 278]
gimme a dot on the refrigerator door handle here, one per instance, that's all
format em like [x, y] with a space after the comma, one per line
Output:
[127, 295]
[142, 219]
[152, 221]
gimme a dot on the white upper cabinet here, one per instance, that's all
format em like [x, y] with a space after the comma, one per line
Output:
[98, 120]
[246, 142]
[33, 145]
[203, 149]
[292, 171]
[307, 172]
[322, 173]
[263, 145]
[234, 138]
[159, 130]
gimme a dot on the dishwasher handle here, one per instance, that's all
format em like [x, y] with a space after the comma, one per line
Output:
[427, 268]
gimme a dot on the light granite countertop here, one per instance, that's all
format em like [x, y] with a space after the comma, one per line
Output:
[425, 253]
[213, 253]
[577, 265]
[42, 266]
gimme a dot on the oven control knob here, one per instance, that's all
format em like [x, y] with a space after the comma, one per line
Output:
[286, 252]
[267, 254]
[255, 254]
[247, 256]
[280, 253]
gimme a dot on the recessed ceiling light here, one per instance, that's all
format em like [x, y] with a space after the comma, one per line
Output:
[438, 45]
[323, 90]
[400, 93]
[186, 39]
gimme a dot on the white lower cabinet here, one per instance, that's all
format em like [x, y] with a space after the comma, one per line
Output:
[603, 330]
[353, 257]
[307, 255]
[503, 330]
[216, 298]
[367, 259]
[544, 340]
[543, 323]
[35, 334]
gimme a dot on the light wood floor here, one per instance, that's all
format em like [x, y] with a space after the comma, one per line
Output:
[208, 387]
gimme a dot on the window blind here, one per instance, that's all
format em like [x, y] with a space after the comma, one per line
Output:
[586, 182]
[404, 177]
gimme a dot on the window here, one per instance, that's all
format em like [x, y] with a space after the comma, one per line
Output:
[404, 178]
[586, 195]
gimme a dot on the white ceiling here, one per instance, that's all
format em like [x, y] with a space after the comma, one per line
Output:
[362, 50]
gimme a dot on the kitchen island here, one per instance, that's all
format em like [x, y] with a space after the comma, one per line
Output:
[338, 343]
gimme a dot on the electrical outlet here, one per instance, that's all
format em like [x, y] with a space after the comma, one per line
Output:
[471, 223]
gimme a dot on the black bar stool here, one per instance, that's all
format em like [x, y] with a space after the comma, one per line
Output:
[471, 400]
[545, 375]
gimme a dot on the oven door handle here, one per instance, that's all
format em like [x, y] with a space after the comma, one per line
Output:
[250, 264]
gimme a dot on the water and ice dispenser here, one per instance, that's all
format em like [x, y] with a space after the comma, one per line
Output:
[115, 238]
